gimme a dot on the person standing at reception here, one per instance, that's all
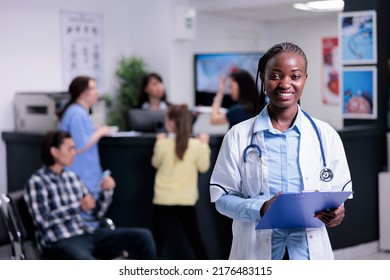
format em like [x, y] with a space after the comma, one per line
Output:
[75, 119]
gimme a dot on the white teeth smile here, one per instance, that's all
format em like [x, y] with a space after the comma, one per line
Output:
[285, 93]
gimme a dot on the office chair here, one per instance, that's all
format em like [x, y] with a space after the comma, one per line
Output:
[24, 226]
[7, 243]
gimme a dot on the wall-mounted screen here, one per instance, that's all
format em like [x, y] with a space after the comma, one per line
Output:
[208, 68]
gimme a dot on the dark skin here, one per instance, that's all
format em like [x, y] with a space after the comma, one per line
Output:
[284, 79]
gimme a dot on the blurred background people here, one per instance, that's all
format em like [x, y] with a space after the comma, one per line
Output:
[152, 94]
[75, 119]
[178, 158]
[242, 90]
[56, 197]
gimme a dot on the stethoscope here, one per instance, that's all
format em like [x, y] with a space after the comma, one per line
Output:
[326, 174]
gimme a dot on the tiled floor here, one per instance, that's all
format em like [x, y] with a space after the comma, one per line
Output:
[375, 256]
[367, 251]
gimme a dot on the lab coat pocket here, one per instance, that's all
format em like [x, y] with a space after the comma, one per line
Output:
[252, 175]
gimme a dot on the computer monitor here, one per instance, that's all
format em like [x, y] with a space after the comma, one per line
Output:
[146, 121]
[208, 68]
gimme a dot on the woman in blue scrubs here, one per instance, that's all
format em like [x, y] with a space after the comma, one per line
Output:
[75, 119]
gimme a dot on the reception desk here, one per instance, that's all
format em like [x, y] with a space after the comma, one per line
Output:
[129, 160]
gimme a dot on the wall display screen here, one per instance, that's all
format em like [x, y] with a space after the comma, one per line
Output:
[210, 66]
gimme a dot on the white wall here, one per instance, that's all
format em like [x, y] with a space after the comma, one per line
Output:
[218, 34]
[150, 33]
[30, 52]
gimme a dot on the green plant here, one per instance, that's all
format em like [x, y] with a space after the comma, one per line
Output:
[130, 72]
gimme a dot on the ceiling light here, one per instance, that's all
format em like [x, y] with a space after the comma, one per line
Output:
[321, 6]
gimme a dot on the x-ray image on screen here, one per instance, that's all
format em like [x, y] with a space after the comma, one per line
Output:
[210, 66]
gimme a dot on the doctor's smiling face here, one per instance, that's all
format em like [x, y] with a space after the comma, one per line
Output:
[284, 78]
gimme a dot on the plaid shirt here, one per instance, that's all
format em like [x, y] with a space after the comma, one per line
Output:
[54, 202]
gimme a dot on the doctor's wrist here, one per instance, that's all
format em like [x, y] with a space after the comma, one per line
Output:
[263, 209]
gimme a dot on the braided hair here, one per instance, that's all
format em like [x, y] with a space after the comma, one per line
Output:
[276, 49]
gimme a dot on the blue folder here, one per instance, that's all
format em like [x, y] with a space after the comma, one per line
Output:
[296, 210]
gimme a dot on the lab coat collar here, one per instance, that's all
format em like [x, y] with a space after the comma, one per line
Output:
[263, 121]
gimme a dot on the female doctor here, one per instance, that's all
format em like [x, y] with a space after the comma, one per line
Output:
[280, 150]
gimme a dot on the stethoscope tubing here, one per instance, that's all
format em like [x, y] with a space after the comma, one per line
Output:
[318, 136]
[326, 174]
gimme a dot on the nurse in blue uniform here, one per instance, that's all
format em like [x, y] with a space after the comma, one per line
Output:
[75, 119]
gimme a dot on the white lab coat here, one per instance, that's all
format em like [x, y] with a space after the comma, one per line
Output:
[231, 175]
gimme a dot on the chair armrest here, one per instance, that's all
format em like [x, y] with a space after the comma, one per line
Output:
[108, 223]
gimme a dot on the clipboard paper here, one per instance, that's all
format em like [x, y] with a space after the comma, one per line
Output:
[296, 210]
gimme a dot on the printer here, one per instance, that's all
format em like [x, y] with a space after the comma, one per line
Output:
[36, 111]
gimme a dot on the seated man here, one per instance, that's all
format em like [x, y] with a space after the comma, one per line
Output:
[56, 198]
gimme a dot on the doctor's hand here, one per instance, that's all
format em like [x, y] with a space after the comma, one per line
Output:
[268, 204]
[332, 217]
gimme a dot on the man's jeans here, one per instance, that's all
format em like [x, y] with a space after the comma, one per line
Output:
[105, 243]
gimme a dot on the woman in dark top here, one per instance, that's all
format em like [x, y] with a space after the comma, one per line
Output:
[152, 94]
[242, 90]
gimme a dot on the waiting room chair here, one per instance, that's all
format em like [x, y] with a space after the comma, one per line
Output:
[7, 243]
[25, 228]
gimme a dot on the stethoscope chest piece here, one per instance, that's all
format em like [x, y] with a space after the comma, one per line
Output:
[326, 175]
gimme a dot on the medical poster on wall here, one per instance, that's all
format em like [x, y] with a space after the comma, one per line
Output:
[82, 46]
[357, 37]
[330, 71]
[359, 92]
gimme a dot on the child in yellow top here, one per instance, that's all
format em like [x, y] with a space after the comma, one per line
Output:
[178, 158]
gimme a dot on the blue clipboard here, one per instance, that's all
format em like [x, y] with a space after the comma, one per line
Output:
[296, 210]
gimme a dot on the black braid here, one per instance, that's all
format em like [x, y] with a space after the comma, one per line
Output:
[276, 49]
